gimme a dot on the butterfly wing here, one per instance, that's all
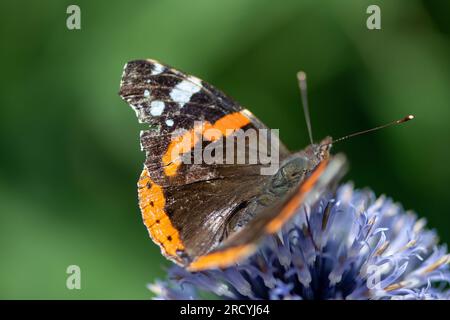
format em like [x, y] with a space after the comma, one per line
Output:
[186, 206]
[269, 221]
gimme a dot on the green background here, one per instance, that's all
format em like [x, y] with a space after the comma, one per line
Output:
[69, 149]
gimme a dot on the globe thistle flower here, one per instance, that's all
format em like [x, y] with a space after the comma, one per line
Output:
[348, 245]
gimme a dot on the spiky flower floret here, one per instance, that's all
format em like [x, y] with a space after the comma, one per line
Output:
[348, 245]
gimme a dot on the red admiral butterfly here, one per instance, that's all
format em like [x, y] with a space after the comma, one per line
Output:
[212, 215]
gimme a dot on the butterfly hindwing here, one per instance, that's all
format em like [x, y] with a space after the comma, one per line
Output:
[271, 219]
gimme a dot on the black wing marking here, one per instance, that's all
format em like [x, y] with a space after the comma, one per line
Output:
[168, 99]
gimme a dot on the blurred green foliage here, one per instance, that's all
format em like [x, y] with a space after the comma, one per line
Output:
[69, 149]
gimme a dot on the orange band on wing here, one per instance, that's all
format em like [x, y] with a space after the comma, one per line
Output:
[221, 259]
[230, 123]
[225, 126]
[180, 145]
[291, 207]
[160, 228]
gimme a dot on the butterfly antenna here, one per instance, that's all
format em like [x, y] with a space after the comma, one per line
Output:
[301, 76]
[402, 120]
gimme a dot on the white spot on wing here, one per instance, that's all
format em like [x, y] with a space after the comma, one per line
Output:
[157, 69]
[169, 122]
[183, 91]
[146, 93]
[156, 108]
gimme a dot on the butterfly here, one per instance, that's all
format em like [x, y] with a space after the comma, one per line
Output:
[213, 215]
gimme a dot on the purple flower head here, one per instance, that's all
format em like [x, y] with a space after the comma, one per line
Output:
[348, 245]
